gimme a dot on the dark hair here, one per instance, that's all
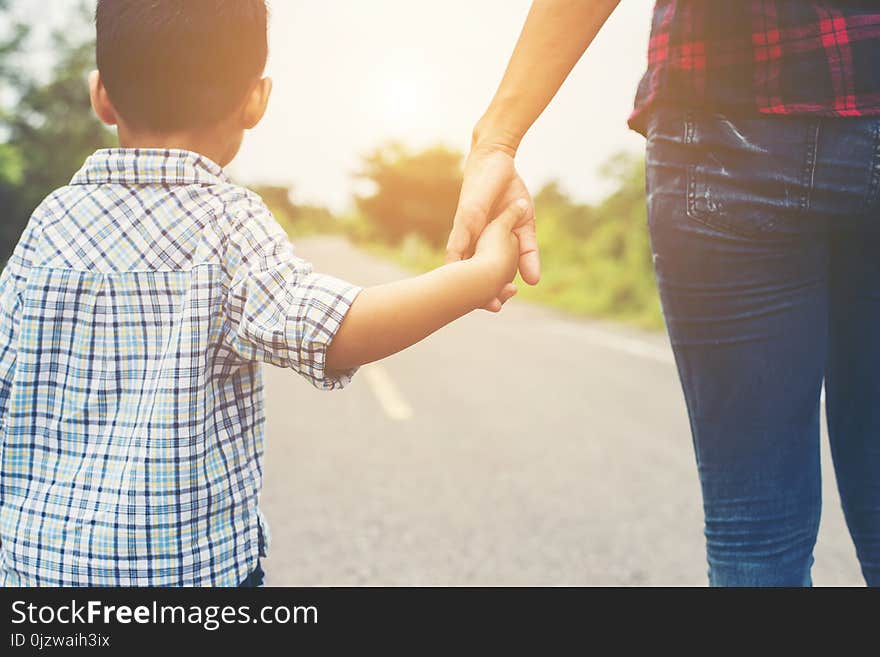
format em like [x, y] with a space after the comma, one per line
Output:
[179, 64]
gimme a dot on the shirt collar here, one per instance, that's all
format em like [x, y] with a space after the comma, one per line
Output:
[148, 166]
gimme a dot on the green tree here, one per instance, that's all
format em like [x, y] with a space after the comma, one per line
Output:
[10, 79]
[415, 193]
[597, 259]
[48, 130]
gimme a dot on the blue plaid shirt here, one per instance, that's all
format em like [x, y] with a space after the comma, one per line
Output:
[134, 315]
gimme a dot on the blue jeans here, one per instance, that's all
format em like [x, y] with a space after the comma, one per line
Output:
[766, 241]
[254, 579]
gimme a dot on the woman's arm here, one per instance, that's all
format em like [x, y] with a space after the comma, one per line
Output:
[556, 34]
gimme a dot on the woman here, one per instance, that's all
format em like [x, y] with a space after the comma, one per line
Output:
[763, 185]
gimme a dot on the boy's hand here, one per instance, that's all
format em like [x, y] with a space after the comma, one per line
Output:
[498, 250]
[491, 181]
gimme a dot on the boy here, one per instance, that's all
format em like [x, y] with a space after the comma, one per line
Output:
[140, 301]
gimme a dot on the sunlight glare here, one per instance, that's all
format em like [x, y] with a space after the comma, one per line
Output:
[401, 100]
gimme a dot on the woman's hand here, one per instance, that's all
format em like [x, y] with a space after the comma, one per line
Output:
[492, 184]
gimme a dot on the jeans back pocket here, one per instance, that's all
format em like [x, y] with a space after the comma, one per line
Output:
[750, 176]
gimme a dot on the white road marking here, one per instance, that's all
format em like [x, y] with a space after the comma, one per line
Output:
[387, 394]
[631, 346]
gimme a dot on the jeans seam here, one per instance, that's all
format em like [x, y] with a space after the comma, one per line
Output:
[809, 177]
[691, 182]
[691, 189]
[874, 189]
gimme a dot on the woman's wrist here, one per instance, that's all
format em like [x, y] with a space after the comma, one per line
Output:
[493, 133]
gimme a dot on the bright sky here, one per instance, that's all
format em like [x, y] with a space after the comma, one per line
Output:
[350, 75]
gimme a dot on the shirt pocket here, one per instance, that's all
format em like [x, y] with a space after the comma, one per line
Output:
[750, 177]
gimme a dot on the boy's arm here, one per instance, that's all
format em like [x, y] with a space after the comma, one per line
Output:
[388, 318]
[278, 310]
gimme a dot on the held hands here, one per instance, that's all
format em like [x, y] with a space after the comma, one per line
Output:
[491, 183]
[497, 249]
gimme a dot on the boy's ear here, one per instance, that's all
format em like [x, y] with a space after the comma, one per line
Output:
[256, 103]
[101, 100]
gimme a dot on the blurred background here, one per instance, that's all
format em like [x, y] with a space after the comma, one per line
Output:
[546, 446]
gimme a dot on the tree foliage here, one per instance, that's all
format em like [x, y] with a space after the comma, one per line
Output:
[597, 259]
[415, 192]
[47, 126]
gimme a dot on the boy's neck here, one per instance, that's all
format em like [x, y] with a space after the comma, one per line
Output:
[209, 143]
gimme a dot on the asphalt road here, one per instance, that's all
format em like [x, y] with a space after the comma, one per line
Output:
[527, 448]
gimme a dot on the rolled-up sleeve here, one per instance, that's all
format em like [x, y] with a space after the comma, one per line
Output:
[278, 310]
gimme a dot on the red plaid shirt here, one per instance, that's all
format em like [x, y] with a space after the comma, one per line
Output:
[794, 57]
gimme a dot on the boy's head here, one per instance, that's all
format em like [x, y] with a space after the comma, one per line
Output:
[179, 68]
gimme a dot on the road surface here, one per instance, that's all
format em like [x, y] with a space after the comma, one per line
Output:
[528, 448]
